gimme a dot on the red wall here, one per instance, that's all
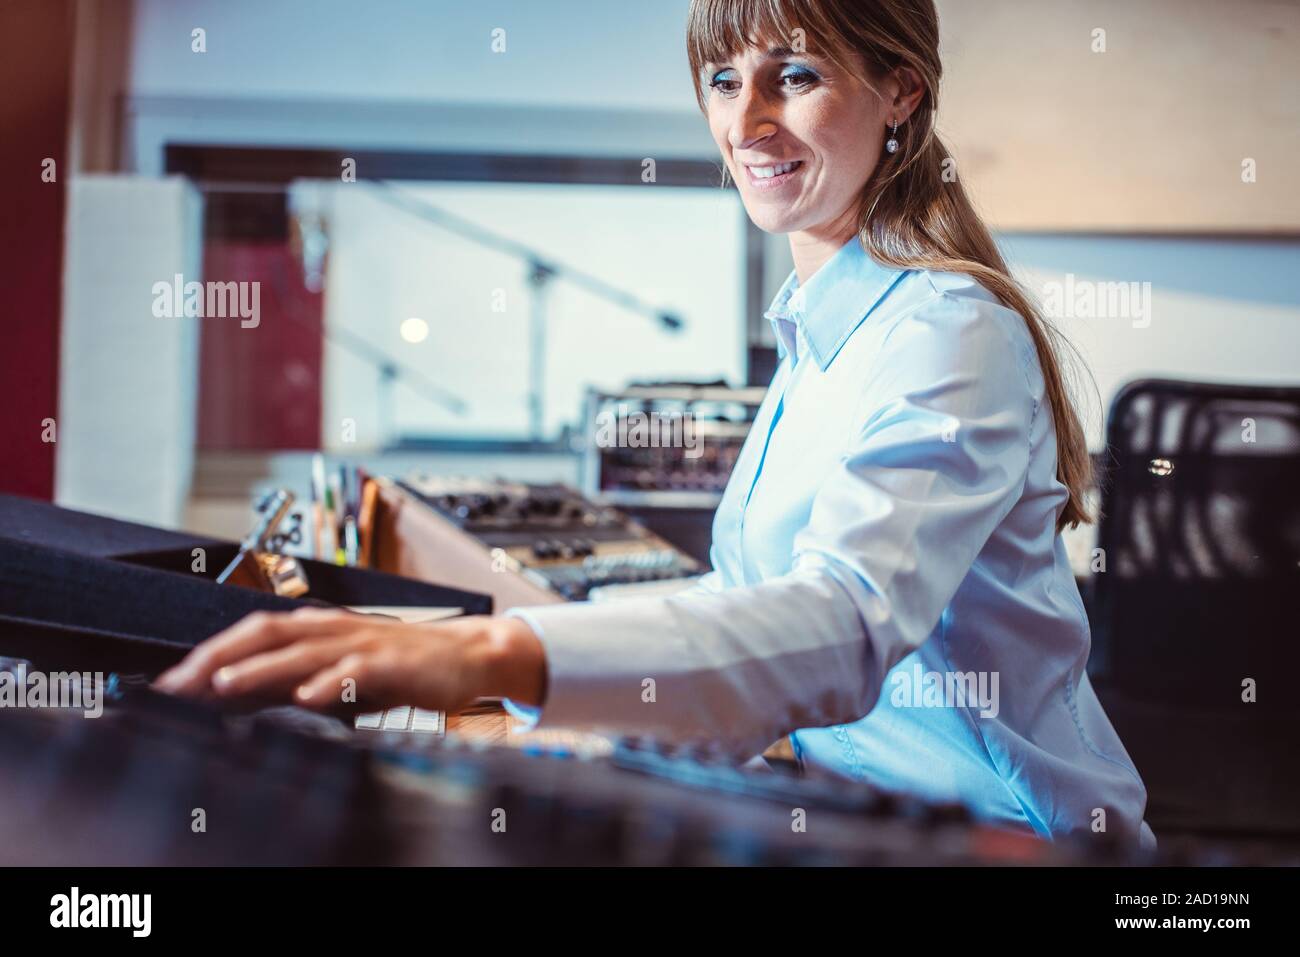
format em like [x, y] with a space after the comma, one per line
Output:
[35, 81]
[260, 387]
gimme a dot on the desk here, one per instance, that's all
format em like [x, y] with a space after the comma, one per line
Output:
[491, 725]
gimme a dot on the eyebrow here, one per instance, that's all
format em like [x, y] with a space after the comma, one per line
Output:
[778, 53]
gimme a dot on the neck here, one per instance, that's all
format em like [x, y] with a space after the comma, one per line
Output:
[811, 248]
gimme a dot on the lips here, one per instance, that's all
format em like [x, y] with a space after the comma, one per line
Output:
[774, 175]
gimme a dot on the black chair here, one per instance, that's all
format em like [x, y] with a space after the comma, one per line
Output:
[1200, 535]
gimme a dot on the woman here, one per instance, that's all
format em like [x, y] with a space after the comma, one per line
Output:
[889, 584]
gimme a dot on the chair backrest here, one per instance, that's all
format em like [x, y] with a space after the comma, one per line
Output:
[1200, 536]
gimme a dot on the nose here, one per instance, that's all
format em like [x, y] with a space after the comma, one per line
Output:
[753, 121]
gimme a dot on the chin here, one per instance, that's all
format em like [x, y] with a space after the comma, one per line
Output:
[773, 219]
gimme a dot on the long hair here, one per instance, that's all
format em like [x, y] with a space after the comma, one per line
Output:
[910, 215]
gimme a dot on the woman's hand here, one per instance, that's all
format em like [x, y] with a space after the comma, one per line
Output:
[338, 660]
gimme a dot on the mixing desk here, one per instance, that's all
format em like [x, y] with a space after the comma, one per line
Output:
[157, 780]
[552, 534]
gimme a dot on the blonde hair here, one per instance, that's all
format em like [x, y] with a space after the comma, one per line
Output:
[908, 216]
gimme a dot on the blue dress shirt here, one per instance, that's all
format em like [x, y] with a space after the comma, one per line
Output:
[888, 584]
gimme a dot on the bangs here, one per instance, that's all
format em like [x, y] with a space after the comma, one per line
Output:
[717, 30]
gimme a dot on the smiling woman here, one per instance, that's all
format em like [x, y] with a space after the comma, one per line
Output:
[895, 512]
[800, 135]
[828, 85]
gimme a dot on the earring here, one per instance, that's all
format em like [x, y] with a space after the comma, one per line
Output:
[891, 144]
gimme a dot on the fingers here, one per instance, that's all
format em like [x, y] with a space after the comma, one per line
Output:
[330, 660]
[363, 675]
[256, 633]
[277, 672]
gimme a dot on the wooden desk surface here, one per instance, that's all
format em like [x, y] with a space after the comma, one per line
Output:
[493, 725]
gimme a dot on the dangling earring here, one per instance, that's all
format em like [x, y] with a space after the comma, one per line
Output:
[891, 144]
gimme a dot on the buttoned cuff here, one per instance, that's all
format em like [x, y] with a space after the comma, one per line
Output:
[596, 666]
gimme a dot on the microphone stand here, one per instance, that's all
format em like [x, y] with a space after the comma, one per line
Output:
[542, 271]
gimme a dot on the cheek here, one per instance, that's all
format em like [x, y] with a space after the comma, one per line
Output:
[849, 144]
[845, 135]
[718, 129]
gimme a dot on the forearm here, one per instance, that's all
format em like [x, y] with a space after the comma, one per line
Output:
[739, 667]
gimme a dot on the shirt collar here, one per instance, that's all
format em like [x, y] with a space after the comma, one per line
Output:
[833, 303]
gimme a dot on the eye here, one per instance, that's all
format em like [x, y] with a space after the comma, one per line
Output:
[795, 77]
[725, 82]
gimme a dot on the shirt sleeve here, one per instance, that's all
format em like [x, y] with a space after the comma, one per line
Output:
[939, 462]
[706, 584]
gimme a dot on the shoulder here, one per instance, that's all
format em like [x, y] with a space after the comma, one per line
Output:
[950, 345]
[949, 322]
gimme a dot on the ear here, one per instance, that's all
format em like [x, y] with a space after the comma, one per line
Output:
[907, 88]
